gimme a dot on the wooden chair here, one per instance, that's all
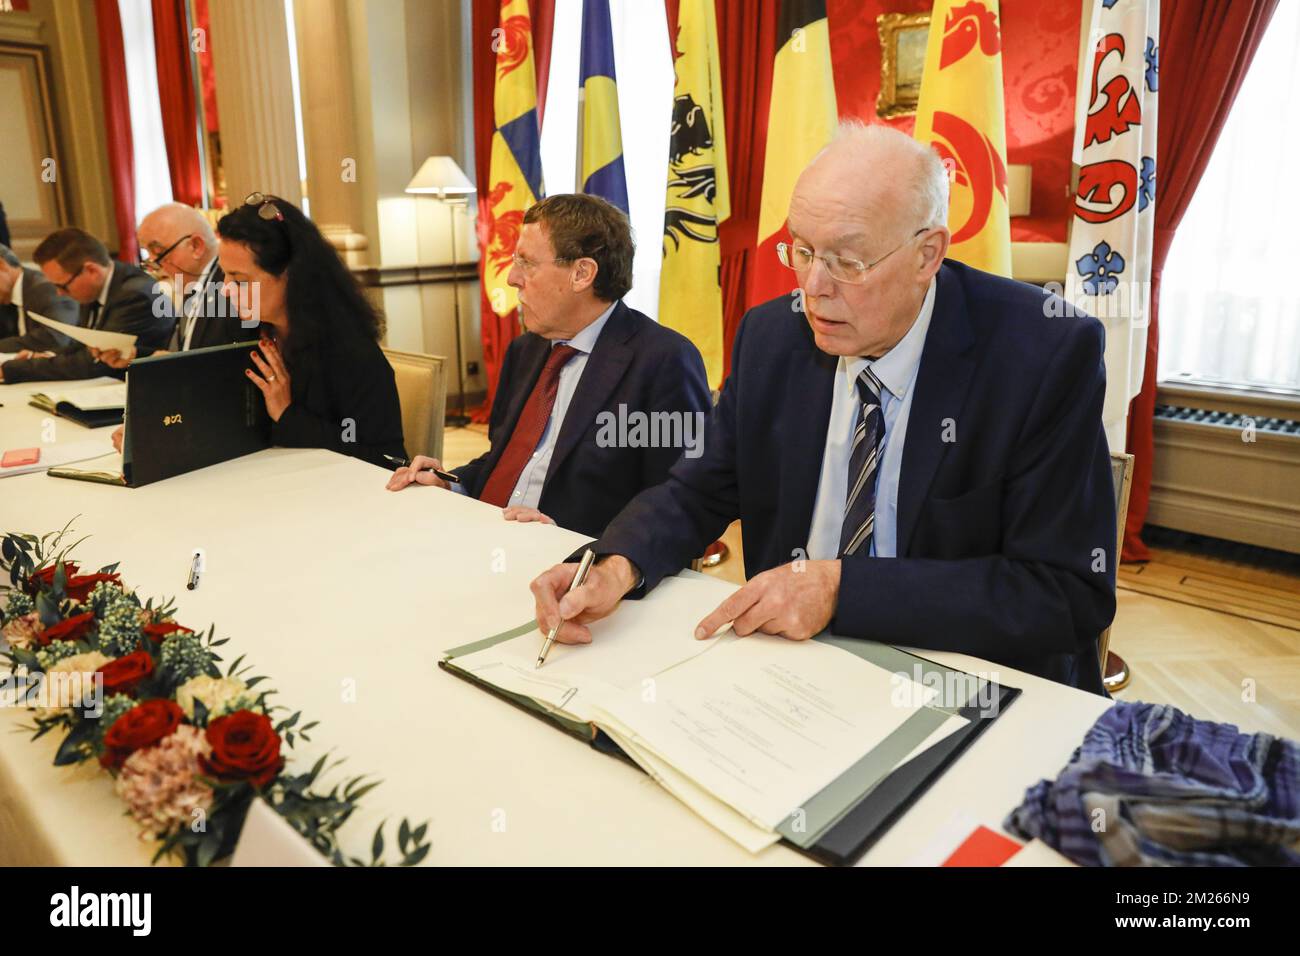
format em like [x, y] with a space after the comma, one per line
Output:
[422, 392]
[1114, 671]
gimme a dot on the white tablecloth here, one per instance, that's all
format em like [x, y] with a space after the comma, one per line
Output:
[344, 594]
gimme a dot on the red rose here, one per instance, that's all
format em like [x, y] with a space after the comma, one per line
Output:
[44, 578]
[244, 747]
[163, 629]
[142, 726]
[71, 629]
[122, 675]
[80, 586]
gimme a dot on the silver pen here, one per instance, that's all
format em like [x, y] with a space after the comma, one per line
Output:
[579, 579]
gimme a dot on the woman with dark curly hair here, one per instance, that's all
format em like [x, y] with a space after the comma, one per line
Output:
[325, 381]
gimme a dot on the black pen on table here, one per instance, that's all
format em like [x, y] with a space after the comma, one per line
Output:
[403, 463]
[579, 578]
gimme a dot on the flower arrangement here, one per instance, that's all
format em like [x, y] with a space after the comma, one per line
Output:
[189, 747]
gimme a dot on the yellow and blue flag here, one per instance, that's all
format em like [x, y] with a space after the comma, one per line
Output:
[601, 172]
[515, 171]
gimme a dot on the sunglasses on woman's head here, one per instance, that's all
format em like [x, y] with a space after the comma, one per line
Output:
[266, 207]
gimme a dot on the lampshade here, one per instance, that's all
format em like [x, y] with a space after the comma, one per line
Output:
[441, 177]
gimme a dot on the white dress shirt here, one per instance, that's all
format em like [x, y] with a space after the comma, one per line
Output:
[185, 334]
[896, 370]
[16, 300]
[528, 489]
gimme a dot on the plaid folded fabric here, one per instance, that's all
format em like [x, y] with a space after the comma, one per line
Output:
[1151, 786]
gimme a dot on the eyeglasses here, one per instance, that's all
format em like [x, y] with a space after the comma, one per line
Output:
[266, 207]
[63, 286]
[839, 268]
[155, 264]
[529, 266]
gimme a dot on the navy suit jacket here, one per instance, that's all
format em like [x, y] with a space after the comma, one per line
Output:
[636, 362]
[1006, 532]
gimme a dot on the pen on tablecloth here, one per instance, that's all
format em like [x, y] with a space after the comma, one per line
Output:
[579, 578]
[196, 568]
[402, 463]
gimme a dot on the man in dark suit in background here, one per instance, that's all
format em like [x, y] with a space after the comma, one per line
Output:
[918, 460]
[595, 400]
[23, 290]
[114, 297]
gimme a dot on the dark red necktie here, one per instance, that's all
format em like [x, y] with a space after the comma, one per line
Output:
[528, 430]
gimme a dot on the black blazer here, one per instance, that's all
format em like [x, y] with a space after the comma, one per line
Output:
[344, 399]
[637, 363]
[135, 304]
[42, 297]
[1006, 536]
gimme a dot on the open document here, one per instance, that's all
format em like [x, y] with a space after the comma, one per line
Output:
[766, 739]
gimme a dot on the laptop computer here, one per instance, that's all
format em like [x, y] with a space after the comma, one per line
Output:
[185, 411]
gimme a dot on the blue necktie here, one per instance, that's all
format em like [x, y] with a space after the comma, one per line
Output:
[860, 504]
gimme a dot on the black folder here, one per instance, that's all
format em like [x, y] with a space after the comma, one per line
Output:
[185, 411]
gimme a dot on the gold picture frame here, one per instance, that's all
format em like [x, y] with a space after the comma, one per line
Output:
[31, 181]
[902, 60]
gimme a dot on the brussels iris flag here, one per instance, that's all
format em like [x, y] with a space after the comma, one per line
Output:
[600, 169]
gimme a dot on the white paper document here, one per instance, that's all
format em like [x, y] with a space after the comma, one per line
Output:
[621, 656]
[763, 723]
[94, 398]
[92, 338]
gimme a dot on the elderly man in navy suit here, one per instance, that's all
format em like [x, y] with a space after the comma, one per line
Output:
[914, 447]
[596, 400]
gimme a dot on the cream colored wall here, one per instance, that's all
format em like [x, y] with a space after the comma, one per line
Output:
[67, 28]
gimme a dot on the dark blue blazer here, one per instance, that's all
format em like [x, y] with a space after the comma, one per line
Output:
[1006, 535]
[637, 363]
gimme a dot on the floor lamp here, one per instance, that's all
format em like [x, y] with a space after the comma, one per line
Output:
[440, 177]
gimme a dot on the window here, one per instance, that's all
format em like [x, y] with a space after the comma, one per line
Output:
[1230, 299]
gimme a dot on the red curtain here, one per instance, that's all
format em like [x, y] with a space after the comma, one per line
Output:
[117, 125]
[176, 98]
[746, 48]
[1205, 48]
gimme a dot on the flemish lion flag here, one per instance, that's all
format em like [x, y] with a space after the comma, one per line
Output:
[690, 293]
[515, 173]
[961, 115]
[801, 120]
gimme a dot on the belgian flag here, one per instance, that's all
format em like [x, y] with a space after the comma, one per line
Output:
[802, 118]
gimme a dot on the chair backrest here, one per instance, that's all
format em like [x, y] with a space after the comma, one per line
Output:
[422, 391]
[1121, 472]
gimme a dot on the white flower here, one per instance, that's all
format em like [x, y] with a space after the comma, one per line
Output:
[21, 632]
[69, 683]
[220, 695]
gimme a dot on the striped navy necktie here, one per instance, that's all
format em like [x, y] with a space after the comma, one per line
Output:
[860, 504]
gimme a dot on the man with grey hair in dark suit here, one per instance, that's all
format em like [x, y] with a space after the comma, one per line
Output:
[27, 290]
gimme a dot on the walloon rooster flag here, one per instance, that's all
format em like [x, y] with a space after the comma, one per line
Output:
[601, 169]
[690, 291]
[961, 115]
[1109, 269]
[515, 172]
[801, 120]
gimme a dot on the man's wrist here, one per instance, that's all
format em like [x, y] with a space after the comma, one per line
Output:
[625, 572]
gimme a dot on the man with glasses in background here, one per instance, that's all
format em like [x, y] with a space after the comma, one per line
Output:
[914, 447]
[23, 290]
[584, 358]
[114, 297]
[178, 245]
